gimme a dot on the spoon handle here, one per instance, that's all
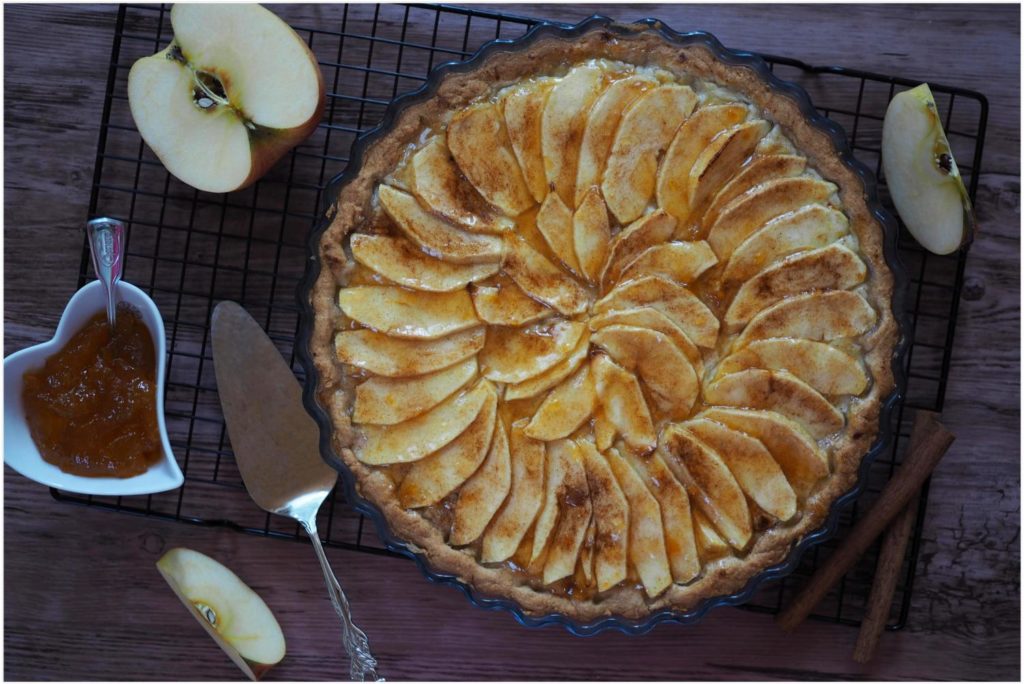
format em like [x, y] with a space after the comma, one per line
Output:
[362, 665]
[106, 242]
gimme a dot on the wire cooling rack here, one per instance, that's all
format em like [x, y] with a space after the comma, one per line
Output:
[190, 249]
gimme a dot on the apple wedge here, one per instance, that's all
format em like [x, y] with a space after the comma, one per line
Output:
[554, 375]
[554, 221]
[682, 262]
[823, 367]
[574, 513]
[777, 391]
[542, 280]
[387, 401]
[480, 145]
[611, 519]
[922, 175]
[565, 408]
[820, 316]
[235, 90]
[432, 478]
[604, 429]
[591, 234]
[639, 236]
[512, 355]
[230, 612]
[410, 314]
[394, 357]
[483, 493]
[525, 497]
[426, 433]
[675, 301]
[403, 263]
[648, 317]
[648, 126]
[717, 162]
[436, 236]
[759, 170]
[829, 268]
[524, 107]
[505, 303]
[555, 471]
[710, 545]
[622, 403]
[565, 116]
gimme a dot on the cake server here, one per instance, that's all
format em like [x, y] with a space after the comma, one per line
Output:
[276, 446]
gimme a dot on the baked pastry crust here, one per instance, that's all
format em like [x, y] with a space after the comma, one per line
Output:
[354, 207]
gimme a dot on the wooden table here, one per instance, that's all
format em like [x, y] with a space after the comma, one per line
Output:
[83, 600]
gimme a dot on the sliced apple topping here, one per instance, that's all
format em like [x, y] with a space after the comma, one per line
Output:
[752, 210]
[565, 408]
[599, 133]
[829, 268]
[777, 391]
[622, 403]
[483, 493]
[659, 363]
[397, 358]
[811, 227]
[480, 144]
[682, 262]
[554, 221]
[591, 234]
[759, 170]
[821, 316]
[554, 375]
[542, 280]
[644, 233]
[604, 429]
[646, 549]
[586, 562]
[710, 545]
[405, 313]
[521, 507]
[675, 301]
[673, 187]
[648, 317]
[565, 116]
[387, 401]
[432, 478]
[402, 263]
[647, 128]
[717, 162]
[435, 235]
[823, 367]
[524, 107]
[556, 467]
[512, 355]
[611, 519]
[505, 303]
[573, 517]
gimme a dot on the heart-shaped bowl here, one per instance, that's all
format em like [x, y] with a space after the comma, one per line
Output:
[20, 451]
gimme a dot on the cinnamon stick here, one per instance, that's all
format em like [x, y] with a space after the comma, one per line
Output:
[935, 440]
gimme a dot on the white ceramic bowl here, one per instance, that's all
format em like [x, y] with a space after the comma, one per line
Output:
[20, 451]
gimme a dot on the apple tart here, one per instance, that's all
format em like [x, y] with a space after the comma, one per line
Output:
[604, 326]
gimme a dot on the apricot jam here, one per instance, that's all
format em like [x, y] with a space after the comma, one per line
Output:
[92, 408]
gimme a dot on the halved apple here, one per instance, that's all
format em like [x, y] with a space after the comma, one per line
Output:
[554, 221]
[483, 493]
[820, 365]
[759, 170]
[565, 116]
[648, 317]
[644, 233]
[505, 303]
[821, 316]
[622, 403]
[230, 612]
[387, 401]
[675, 301]
[403, 263]
[611, 519]
[512, 355]
[542, 280]
[591, 233]
[922, 175]
[553, 376]
[682, 262]
[565, 408]
[411, 314]
[516, 516]
[235, 90]
[574, 512]
[394, 357]
[524, 107]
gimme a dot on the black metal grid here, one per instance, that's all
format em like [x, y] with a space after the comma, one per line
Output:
[190, 249]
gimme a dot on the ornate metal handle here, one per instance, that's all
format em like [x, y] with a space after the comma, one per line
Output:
[106, 242]
[362, 665]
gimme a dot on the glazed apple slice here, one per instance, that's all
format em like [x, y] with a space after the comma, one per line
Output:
[567, 407]
[524, 107]
[829, 268]
[604, 429]
[480, 145]
[777, 391]
[565, 116]
[622, 403]
[682, 262]
[644, 233]
[553, 376]
[573, 517]
[821, 316]
[599, 133]
[648, 317]
[505, 303]
[586, 560]
[525, 497]
[759, 170]
[230, 612]
[403, 263]
[387, 401]
[710, 545]
[397, 358]
[411, 314]
[749, 212]
[751, 464]
[646, 550]
[823, 367]
[433, 234]
[555, 470]
[483, 493]
[812, 227]
[423, 435]
[542, 280]
[512, 355]
[717, 162]
[611, 519]
[799, 456]
[673, 187]
[648, 126]
[675, 301]
[591, 234]
[554, 221]
[659, 363]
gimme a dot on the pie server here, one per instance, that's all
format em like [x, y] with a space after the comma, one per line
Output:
[276, 446]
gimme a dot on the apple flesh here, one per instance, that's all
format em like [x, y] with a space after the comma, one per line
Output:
[235, 90]
[232, 613]
[922, 175]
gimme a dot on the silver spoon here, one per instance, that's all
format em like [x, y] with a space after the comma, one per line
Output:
[106, 242]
